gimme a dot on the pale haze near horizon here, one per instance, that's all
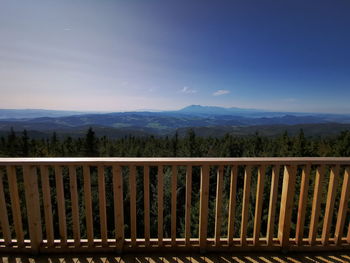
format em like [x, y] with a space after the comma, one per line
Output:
[133, 55]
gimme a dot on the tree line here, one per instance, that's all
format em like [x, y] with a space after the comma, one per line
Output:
[21, 145]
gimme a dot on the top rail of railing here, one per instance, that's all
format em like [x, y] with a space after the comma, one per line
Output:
[178, 161]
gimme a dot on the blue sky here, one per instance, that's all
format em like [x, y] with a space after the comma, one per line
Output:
[111, 55]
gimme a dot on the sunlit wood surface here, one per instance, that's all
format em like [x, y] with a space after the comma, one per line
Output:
[335, 257]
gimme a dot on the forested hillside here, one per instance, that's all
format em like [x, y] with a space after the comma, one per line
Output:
[187, 145]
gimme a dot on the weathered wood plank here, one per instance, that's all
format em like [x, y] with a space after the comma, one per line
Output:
[88, 205]
[75, 204]
[188, 204]
[178, 161]
[272, 204]
[203, 211]
[218, 205]
[288, 189]
[62, 224]
[102, 203]
[15, 204]
[146, 205]
[132, 182]
[343, 206]
[4, 220]
[31, 191]
[160, 204]
[245, 204]
[258, 205]
[173, 204]
[118, 207]
[232, 205]
[316, 203]
[304, 188]
[332, 187]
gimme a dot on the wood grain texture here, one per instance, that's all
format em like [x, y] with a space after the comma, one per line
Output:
[272, 204]
[316, 204]
[304, 188]
[232, 205]
[245, 204]
[343, 207]
[287, 197]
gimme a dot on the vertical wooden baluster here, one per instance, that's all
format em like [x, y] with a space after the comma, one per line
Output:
[245, 205]
[118, 207]
[45, 187]
[218, 207]
[146, 205]
[343, 207]
[4, 220]
[31, 190]
[88, 205]
[173, 204]
[203, 207]
[272, 204]
[102, 203]
[75, 204]
[232, 205]
[258, 205]
[132, 179]
[188, 205]
[304, 188]
[332, 188]
[316, 203]
[160, 205]
[287, 197]
[61, 205]
[348, 236]
[15, 204]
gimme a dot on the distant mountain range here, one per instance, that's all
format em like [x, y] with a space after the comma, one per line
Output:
[204, 119]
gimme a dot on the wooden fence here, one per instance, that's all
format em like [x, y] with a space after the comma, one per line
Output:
[97, 204]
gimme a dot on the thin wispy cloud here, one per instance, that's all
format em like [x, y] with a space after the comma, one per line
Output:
[188, 90]
[290, 100]
[221, 92]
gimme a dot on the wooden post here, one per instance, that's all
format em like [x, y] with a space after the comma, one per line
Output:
[62, 225]
[232, 205]
[102, 203]
[286, 206]
[258, 206]
[118, 207]
[4, 220]
[203, 207]
[343, 207]
[75, 204]
[218, 207]
[46, 190]
[160, 205]
[332, 187]
[33, 207]
[245, 205]
[88, 205]
[188, 205]
[146, 205]
[15, 204]
[304, 188]
[132, 179]
[173, 204]
[316, 203]
[272, 204]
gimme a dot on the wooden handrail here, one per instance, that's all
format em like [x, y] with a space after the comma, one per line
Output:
[148, 204]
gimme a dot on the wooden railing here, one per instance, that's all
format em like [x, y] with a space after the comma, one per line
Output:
[147, 204]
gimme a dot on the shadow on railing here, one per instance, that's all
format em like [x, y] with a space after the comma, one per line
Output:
[184, 258]
[188, 204]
